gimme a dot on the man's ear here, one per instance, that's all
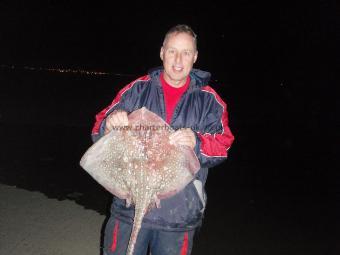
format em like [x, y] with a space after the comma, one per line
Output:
[195, 57]
[161, 53]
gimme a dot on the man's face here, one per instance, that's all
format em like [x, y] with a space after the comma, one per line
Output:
[178, 55]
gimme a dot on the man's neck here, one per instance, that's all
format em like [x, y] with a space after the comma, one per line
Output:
[174, 83]
[178, 84]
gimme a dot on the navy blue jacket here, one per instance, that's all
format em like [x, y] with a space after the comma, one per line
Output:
[201, 109]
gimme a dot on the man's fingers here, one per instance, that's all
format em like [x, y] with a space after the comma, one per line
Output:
[181, 133]
[175, 136]
[116, 119]
[119, 118]
[123, 118]
[183, 137]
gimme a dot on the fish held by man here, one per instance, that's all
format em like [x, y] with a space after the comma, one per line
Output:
[137, 163]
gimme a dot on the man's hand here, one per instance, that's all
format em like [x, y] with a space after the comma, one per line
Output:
[183, 136]
[116, 119]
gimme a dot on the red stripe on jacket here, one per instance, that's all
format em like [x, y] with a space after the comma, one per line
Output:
[184, 249]
[115, 236]
[102, 114]
[217, 145]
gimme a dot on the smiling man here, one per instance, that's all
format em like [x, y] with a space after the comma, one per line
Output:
[179, 53]
[182, 97]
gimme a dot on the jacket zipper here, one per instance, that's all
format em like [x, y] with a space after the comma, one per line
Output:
[175, 114]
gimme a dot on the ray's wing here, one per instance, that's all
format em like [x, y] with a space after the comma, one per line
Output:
[184, 167]
[106, 161]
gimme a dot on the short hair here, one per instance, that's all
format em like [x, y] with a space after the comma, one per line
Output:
[181, 28]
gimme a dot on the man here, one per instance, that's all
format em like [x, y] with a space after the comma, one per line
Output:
[181, 96]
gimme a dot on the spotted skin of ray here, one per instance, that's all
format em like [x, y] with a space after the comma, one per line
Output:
[140, 166]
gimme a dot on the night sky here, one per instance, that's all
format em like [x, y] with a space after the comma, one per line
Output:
[237, 38]
[271, 62]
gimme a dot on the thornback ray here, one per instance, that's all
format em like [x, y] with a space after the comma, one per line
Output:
[137, 163]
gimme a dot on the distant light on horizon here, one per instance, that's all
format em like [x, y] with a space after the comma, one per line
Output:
[64, 70]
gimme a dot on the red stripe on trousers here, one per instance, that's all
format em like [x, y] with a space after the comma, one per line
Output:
[114, 238]
[185, 244]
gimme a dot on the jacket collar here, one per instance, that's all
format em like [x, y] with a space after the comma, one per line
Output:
[200, 78]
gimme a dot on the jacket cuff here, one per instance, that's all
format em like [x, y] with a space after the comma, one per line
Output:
[96, 137]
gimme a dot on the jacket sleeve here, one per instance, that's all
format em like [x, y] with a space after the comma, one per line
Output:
[213, 143]
[122, 101]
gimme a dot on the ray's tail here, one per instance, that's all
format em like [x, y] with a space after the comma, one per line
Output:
[137, 224]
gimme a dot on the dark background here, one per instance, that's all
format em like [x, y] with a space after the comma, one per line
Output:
[278, 192]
